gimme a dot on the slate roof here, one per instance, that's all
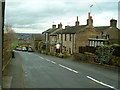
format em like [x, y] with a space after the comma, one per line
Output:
[101, 28]
[55, 32]
[74, 29]
[49, 30]
[71, 30]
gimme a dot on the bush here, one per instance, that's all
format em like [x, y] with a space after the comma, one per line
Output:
[115, 61]
[52, 53]
[79, 57]
[44, 52]
[62, 55]
[104, 54]
[116, 50]
[90, 57]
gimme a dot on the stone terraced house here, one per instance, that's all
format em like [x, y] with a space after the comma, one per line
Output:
[51, 37]
[72, 38]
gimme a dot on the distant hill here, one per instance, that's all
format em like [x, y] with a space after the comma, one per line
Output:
[24, 33]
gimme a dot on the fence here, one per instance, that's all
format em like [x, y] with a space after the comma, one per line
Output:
[93, 50]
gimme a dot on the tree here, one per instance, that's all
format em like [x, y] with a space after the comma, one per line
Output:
[8, 37]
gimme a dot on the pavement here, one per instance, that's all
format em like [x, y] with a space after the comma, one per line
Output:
[7, 81]
[35, 70]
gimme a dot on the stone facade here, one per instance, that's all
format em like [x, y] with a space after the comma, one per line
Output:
[81, 37]
[72, 37]
[51, 37]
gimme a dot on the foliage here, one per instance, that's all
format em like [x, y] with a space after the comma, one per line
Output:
[86, 57]
[52, 53]
[115, 61]
[116, 50]
[104, 54]
[14, 44]
[79, 57]
[90, 57]
[114, 43]
[61, 55]
[8, 38]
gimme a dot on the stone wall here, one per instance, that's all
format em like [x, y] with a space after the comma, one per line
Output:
[82, 37]
[113, 34]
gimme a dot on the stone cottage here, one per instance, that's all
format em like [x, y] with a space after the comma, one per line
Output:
[51, 37]
[73, 37]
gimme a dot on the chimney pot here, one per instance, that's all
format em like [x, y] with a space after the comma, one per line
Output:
[89, 15]
[77, 22]
[89, 20]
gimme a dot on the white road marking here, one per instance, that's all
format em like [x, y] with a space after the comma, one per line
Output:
[47, 60]
[26, 75]
[68, 68]
[50, 61]
[101, 83]
[41, 57]
[25, 72]
[53, 62]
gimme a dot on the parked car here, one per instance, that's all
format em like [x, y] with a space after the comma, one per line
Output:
[30, 49]
[24, 49]
[18, 48]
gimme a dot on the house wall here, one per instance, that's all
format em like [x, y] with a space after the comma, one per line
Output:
[53, 40]
[81, 37]
[113, 34]
[68, 44]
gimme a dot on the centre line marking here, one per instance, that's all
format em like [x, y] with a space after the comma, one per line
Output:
[50, 61]
[68, 68]
[101, 83]
[47, 60]
[53, 62]
[41, 57]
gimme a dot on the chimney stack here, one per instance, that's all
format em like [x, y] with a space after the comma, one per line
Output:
[53, 26]
[60, 25]
[77, 22]
[113, 23]
[89, 20]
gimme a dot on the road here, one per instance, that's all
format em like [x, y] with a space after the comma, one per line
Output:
[35, 70]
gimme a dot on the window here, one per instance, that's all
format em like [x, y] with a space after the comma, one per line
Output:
[69, 50]
[65, 48]
[107, 36]
[96, 37]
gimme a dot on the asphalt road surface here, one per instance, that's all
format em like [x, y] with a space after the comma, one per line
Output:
[35, 70]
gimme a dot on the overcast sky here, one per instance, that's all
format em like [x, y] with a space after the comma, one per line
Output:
[36, 16]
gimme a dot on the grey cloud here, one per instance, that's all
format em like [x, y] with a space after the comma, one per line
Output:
[20, 14]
